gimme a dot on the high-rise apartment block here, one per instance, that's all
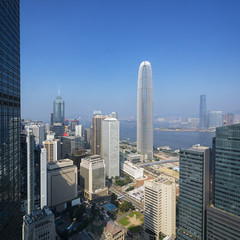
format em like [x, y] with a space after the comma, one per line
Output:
[10, 215]
[145, 110]
[160, 208]
[53, 147]
[43, 178]
[38, 132]
[193, 192]
[39, 224]
[92, 176]
[96, 134]
[110, 146]
[223, 215]
[203, 113]
[58, 110]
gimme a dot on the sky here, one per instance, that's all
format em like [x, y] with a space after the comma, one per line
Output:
[91, 50]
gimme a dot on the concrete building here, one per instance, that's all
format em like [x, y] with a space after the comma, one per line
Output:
[223, 215]
[160, 208]
[61, 182]
[194, 192]
[38, 132]
[132, 170]
[112, 232]
[96, 134]
[135, 158]
[39, 224]
[79, 130]
[145, 110]
[110, 146]
[87, 135]
[53, 147]
[43, 178]
[228, 119]
[92, 177]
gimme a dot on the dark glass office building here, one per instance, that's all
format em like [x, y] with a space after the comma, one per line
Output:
[193, 192]
[10, 216]
[203, 112]
[58, 110]
[223, 215]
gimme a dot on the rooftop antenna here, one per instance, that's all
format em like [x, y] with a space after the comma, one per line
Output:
[59, 92]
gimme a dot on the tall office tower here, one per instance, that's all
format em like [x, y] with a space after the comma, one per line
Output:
[30, 171]
[193, 192]
[110, 146]
[96, 135]
[40, 224]
[43, 178]
[203, 112]
[74, 123]
[87, 135]
[145, 110]
[51, 119]
[215, 119]
[10, 188]
[58, 129]
[38, 132]
[160, 208]
[53, 147]
[70, 145]
[58, 110]
[92, 177]
[228, 119]
[223, 215]
[79, 130]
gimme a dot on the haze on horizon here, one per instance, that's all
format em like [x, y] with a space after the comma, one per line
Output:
[91, 51]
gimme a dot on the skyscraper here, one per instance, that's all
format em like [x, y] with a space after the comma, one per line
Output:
[58, 110]
[193, 192]
[223, 215]
[203, 112]
[110, 146]
[96, 134]
[160, 208]
[145, 110]
[43, 178]
[10, 215]
[215, 119]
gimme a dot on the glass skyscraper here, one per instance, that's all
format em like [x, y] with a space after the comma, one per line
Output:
[10, 216]
[203, 112]
[193, 192]
[58, 110]
[145, 110]
[223, 215]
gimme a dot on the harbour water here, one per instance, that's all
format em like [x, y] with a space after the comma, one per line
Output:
[173, 139]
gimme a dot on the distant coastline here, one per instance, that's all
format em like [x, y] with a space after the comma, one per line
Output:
[182, 130]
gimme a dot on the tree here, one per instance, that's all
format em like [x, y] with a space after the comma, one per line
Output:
[78, 212]
[113, 197]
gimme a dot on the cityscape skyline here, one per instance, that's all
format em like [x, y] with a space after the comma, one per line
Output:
[202, 58]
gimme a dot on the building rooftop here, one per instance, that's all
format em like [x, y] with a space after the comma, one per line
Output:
[112, 228]
[59, 164]
[37, 215]
[198, 148]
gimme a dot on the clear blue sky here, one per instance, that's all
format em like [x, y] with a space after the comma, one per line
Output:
[91, 51]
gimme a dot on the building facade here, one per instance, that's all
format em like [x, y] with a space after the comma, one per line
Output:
[132, 170]
[61, 182]
[53, 149]
[194, 192]
[215, 119]
[160, 208]
[110, 146]
[10, 188]
[92, 176]
[39, 224]
[145, 110]
[43, 178]
[96, 134]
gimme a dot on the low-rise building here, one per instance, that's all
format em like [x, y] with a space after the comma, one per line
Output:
[39, 224]
[112, 232]
[132, 170]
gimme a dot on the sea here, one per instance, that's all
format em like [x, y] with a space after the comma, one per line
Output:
[174, 139]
